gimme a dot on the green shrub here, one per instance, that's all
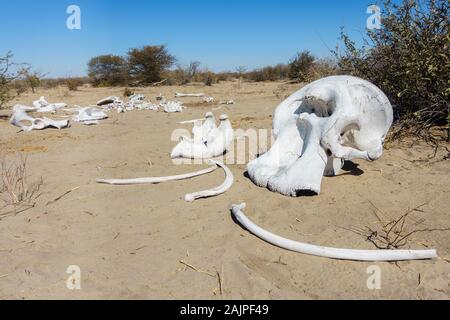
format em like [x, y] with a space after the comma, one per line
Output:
[108, 70]
[146, 64]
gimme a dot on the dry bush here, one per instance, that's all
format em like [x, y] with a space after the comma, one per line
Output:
[395, 233]
[408, 58]
[127, 92]
[74, 83]
[16, 193]
[145, 65]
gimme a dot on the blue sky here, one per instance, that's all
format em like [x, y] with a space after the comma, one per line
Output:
[220, 34]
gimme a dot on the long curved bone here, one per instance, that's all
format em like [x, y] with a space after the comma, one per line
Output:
[155, 180]
[327, 252]
[229, 179]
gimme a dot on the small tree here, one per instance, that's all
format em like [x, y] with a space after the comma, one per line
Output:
[7, 78]
[107, 70]
[193, 70]
[146, 64]
[31, 78]
[300, 66]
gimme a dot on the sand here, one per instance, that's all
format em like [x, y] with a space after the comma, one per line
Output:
[146, 242]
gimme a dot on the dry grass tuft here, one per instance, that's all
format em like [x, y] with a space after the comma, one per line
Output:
[15, 192]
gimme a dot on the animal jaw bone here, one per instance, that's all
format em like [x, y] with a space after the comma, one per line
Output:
[225, 186]
[330, 120]
[19, 116]
[189, 95]
[155, 180]
[217, 143]
[327, 252]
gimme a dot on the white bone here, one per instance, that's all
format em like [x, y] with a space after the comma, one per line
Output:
[217, 143]
[227, 102]
[43, 106]
[172, 106]
[147, 106]
[225, 186]
[108, 100]
[154, 180]
[330, 120]
[186, 95]
[191, 121]
[137, 98]
[91, 123]
[327, 252]
[19, 116]
[208, 99]
[201, 132]
[89, 114]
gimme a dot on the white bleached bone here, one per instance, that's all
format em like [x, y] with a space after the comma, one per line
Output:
[208, 99]
[154, 180]
[89, 114]
[19, 118]
[225, 186]
[109, 100]
[42, 105]
[227, 102]
[327, 252]
[191, 121]
[201, 131]
[137, 98]
[91, 123]
[217, 143]
[172, 106]
[326, 122]
[189, 95]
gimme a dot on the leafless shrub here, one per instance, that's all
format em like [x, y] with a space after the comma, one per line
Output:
[395, 233]
[16, 193]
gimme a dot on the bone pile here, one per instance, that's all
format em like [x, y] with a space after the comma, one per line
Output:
[205, 134]
[137, 102]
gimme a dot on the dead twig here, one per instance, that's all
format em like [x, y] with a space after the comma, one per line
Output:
[393, 235]
[196, 269]
[63, 195]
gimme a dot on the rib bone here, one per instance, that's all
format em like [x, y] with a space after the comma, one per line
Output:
[154, 180]
[190, 197]
[327, 252]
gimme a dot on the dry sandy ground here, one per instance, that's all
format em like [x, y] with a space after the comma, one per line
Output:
[129, 241]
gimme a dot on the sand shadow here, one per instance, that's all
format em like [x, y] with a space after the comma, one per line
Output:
[351, 168]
